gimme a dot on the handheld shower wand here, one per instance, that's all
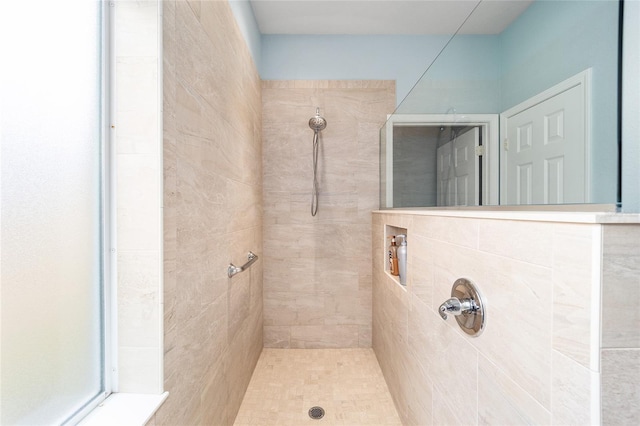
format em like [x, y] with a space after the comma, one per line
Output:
[316, 124]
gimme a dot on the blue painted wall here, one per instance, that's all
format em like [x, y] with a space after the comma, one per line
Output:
[631, 109]
[246, 20]
[344, 57]
[554, 40]
[338, 57]
[464, 79]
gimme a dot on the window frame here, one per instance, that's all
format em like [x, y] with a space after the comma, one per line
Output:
[107, 216]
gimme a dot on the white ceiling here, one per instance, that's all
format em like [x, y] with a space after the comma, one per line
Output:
[385, 16]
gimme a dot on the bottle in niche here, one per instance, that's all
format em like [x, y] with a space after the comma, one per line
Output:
[389, 255]
[393, 257]
[402, 258]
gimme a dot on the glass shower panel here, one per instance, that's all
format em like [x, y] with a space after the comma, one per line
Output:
[464, 79]
[499, 71]
[51, 240]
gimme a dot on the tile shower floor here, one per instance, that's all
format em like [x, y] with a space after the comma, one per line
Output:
[347, 383]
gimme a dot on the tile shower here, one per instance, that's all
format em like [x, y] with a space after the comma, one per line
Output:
[212, 214]
[317, 270]
[234, 159]
[540, 359]
[347, 383]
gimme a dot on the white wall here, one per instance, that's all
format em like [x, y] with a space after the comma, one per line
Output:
[138, 159]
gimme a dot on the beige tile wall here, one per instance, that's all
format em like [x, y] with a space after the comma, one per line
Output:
[212, 213]
[621, 325]
[537, 361]
[317, 270]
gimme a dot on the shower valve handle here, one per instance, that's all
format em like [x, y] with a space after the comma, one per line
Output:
[455, 306]
[467, 306]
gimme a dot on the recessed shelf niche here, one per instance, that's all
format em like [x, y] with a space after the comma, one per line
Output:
[389, 232]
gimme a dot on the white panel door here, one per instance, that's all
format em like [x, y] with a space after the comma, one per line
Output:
[444, 190]
[544, 153]
[457, 170]
[465, 164]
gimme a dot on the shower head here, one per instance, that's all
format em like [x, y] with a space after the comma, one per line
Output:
[317, 123]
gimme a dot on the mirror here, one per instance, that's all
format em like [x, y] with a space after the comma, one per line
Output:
[528, 115]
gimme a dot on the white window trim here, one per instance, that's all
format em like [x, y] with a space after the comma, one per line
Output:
[125, 409]
[122, 407]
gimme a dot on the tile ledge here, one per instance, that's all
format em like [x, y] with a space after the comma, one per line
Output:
[125, 409]
[532, 216]
[396, 280]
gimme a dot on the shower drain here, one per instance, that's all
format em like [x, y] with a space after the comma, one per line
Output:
[316, 412]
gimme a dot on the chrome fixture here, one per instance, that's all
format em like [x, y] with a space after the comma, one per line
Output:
[233, 269]
[316, 413]
[316, 124]
[467, 305]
